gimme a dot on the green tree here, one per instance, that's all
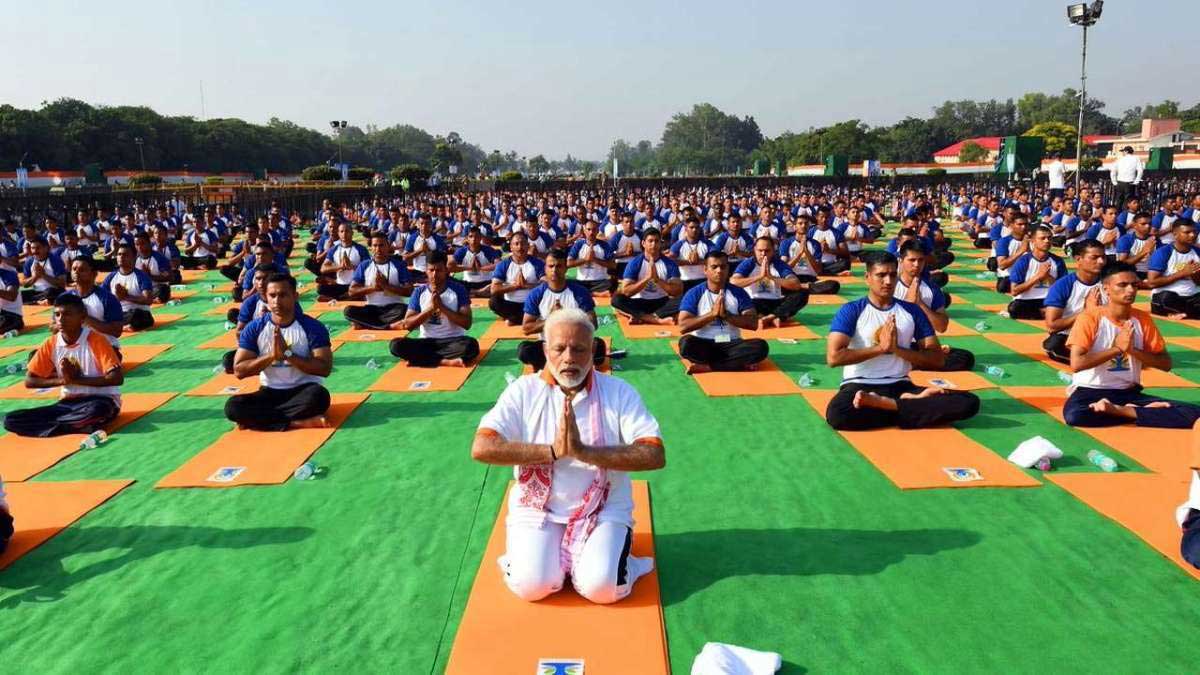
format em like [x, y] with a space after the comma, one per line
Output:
[910, 140]
[707, 141]
[1035, 108]
[1059, 136]
[539, 165]
[320, 172]
[972, 152]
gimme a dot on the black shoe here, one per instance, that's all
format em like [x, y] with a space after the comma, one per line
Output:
[6, 529]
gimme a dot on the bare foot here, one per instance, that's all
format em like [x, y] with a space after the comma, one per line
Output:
[866, 399]
[768, 322]
[1177, 317]
[1157, 404]
[454, 363]
[662, 321]
[696, 368]
[1107, 407]
[323, 298]
[397, 325]
[512, 322]
[929, 391]
[636, 320]
[318, 422]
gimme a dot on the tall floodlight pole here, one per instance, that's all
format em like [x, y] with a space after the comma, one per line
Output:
[1083, 16]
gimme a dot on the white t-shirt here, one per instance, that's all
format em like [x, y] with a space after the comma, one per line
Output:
[1097, 332]
[454, 296]
[1057, 172]
[528, 412]
[861, 321]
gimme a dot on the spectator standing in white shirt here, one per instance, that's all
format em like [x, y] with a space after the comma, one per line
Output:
[1126, 174]
[1057, 172]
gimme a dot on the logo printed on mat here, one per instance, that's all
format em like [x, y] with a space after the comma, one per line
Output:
[788, 341]
[420, 384]
[560, 667]
[366, 336]
[231, 389]
[962, 474]
[226, 474]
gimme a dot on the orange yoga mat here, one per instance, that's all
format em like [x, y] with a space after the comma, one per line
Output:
[766, 380]
[405, 378]
[222, 309]
[6, 352]
[368, 335]
[132, 355]
[1163, 451]
[834, 300]
[193, 275]
[226, 340]
[500, 633]
[918, 458]
[180, 295]
[500, 330]
[1032, 323]
[42, 510]
[643, 331]
[1030, 345]
[22, 458]
[160, 320]
[30, 310]
[1185, 342]
[790, 330]
[226, 384]
[35, 321]
[961, 380]
[989, 283]
[243, 457]
[1142, 503]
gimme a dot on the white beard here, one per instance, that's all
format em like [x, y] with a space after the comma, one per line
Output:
[573, 382]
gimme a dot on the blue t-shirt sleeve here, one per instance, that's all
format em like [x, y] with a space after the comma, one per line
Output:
[1060, 268]
[632, 268]
[744, 303]
[246, 311]
[938, 301]
[461, 295]
[846, 319]
[1017, 272]
[583, 298]
[318, 334]
[501, 272]
[248, 339]
[691, 300]
[533, 299]
[143, 281]
[745, 268]
[360, 273]
[1125, 244]
[1059, 293]
[1160, 258]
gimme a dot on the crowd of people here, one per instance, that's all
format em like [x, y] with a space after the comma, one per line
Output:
[714, 263]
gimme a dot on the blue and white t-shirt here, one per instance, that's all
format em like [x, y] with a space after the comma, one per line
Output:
[1130, 244]
[861, 321]
[1106, 236]
[790, 248]
[1168, 260]
[303, 336]
[506, 273]
[700, 300]
[416, 242]
[931, 294]
[9, 281]
[767, 289]
[454, 297]
[154, 264]
[136, 283]
[1070, 295]
[394, 274]
[352, 254]
[104, 307]
[636, 270]
[683, 249]
[542, 299]
[590, 271]
[254, 306]
[465, 257]
[737, 247]
[1005, 247]
[50, 267]
[1027, 266]
[207, 243]
[829, 241]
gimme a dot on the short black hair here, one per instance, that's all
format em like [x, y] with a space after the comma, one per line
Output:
[875, 258]
[1182, 222]
[282, 278]
[716, 254]
[651, 232]
[1142, 214]
[1117, 267]
[1042, 228]
[1084, 244]
[70, 301]
[437, 257]
[557, 253]
[86, 259]
[266, 268]
[911, 246]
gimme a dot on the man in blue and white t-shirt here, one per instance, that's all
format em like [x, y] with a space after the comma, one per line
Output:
[342, 258]
[132, 287]
[711, 319]
[440, 311]
[689, 253]
[1138, 243]
[11, 307]
[383, 281]
[592, 259]
[475, 260]
[512, 280]
[914, 286]
[773, 288]
[650, 286]
[1072, 294]
[551, 295]
[290, 353]
[1173, 272]
[877, 340]
[1032, 275]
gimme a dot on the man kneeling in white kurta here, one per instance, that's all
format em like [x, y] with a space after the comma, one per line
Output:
[571, 434]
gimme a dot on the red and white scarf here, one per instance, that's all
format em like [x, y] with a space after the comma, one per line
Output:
[534, 482]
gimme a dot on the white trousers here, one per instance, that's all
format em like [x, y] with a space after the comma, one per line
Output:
[532, 571]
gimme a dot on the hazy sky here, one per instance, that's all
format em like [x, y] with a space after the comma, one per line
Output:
[570, 77]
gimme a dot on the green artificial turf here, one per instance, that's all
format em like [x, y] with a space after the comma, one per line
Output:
[771, 532]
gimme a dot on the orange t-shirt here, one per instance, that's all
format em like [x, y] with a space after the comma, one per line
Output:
[91, 352]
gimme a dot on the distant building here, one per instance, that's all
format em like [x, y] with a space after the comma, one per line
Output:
[949, 154]
[1153, 134]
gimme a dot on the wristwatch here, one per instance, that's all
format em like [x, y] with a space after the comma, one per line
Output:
[288, 353]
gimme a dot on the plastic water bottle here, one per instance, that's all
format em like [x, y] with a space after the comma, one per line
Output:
[1102, 460]
[220, 300]
[372, 364]
[995, 371]
[212, 287]
[306, 471]
[174, 302]
[178, 287]
[1065, 377]
[12, 369]
[981, 326]
[1044, 464]
[218, 369]
[229, 325]
[1004, 314]
[93, 440]
[981, 275]
[509, 377]
[805, 381]
[10, 334]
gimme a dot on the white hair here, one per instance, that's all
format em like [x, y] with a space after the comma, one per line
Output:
[568, 316]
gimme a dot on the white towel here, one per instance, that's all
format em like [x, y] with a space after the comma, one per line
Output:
[1029, 452]
[721, 659]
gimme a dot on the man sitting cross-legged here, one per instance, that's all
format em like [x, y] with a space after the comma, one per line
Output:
[913, 286]
[553, 294]
[476, 261]
[289, 351]
[85, 366]
[1072, 294]
[572, 435]
[1031, 276]
[441, 309]
[868, 340]
[512, 280]
[593, 260]
[773, 288]
[252, 307]
[1173, 271]
[133, 288]
[650, 286]
[104, 313]
[1109, 347]
[711, 318]
[344, 256]
[383, 281]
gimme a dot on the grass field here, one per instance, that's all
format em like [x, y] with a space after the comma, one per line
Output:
[771, 532]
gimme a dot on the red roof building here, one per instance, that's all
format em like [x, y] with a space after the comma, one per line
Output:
[949, 154]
